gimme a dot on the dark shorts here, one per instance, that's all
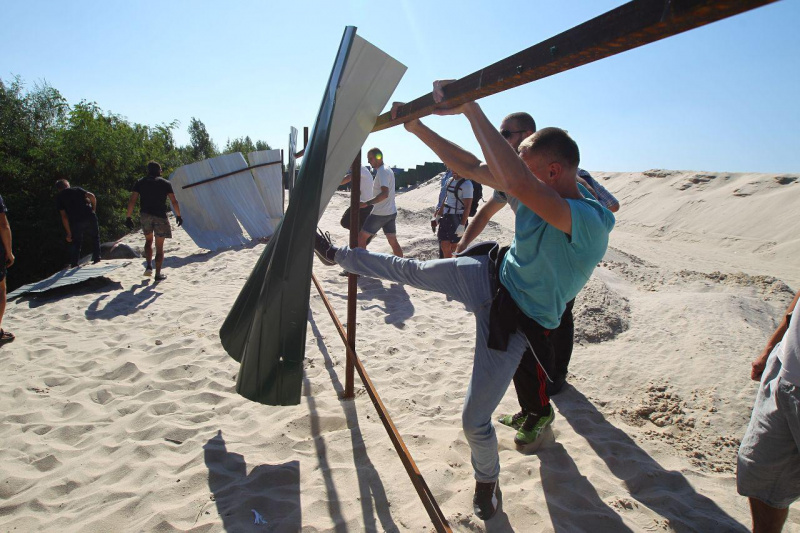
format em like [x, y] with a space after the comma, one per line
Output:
[153, 224]
[447, 228]
[374, 223]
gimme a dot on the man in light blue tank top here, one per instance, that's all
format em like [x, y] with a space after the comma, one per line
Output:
[559, 237]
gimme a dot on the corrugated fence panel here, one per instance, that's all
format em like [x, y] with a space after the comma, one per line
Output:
[208, 221]
[241, 194]
[370, 77]
[269, 180]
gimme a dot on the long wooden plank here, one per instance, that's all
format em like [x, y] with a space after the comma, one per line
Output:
[434, 512]
[629, 26]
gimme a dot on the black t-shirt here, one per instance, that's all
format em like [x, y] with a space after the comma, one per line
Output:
[73, 201]
[153, 193]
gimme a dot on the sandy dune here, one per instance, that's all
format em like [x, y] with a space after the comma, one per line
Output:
[119, 412]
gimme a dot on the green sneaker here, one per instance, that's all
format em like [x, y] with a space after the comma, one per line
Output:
[513, 421]
[533, 427]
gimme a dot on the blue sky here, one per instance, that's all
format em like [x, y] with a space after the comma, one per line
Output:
[724, 97]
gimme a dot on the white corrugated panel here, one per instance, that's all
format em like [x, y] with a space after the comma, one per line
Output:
[209, 225]
[370, 78]
[215, 212]
[269, 180]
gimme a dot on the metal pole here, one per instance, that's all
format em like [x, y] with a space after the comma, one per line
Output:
[228, 174]
[629, 26]
[352, 279]
[424, 492]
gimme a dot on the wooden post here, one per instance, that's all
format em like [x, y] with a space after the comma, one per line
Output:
[352, 279]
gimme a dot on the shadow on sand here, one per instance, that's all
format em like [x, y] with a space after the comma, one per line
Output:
[125, 303]
[272, 491]
[666, 492]
[372, 495]
[397, 306]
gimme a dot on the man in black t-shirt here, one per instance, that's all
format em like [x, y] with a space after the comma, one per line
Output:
[6, 260]
[154, 191]
[78, 215]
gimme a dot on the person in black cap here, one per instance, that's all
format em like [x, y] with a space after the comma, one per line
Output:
[78, 209]
[154, 191]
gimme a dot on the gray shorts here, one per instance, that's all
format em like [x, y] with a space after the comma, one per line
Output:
[768, 467]
[153, 224]
[376, 222]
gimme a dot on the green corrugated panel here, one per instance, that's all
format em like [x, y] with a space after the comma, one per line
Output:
[266, 328]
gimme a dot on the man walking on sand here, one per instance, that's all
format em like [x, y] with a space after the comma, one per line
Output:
[154, 191]
[6, 260]
[78, 210]
[517, 294]
[768, 466]
[384, 210]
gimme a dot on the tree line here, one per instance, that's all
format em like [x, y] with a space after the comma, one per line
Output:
[43, 139]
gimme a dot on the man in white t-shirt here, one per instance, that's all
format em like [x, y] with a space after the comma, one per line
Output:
[366, 194]
[384, 210]
[768, 467]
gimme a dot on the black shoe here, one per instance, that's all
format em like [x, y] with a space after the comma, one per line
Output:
[485, 501]
[324, 248]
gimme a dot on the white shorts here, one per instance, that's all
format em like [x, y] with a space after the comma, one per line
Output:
[768, 467]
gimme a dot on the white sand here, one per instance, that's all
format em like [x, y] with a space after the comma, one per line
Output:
[119, 412]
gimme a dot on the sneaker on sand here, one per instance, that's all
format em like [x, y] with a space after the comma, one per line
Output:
[148, 272]
[533, 427]
[485, 502]
[513, 421]
[324, 248]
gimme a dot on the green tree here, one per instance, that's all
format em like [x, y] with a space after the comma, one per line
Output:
[202, 145]
[244, 145]
[43, 139]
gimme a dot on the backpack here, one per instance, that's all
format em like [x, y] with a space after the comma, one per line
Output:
[477, 195]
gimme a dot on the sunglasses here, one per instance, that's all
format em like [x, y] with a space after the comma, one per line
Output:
[506, 133]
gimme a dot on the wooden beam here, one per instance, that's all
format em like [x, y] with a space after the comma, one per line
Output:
[434, 512]
[629, 26]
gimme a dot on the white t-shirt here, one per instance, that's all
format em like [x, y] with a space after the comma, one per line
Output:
[789, 349]
[451, 205]
[384, 177]
[366, 184]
